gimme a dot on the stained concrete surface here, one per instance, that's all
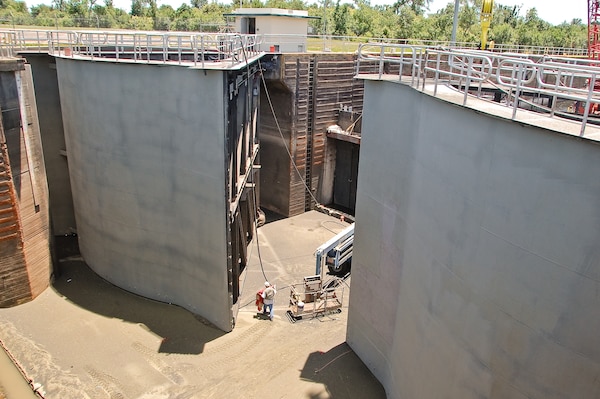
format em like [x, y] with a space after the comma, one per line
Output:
[480, 237]
[85, 338]
[148, 176]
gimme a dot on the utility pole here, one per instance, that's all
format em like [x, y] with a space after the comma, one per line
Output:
[454, 23]
[325, 25]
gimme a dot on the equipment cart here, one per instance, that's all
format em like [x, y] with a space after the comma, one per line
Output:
[314, 298]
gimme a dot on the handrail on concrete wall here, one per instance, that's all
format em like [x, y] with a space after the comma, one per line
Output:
[28, 42]
[519, 76]
[465, 67]
[7, 40]
[190, 49]
[402, 55]
[350, 43]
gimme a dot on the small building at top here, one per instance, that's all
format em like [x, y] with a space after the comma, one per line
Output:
[282, 31]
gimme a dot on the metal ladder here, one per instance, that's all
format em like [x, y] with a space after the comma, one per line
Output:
[308, 201]
[10, 226]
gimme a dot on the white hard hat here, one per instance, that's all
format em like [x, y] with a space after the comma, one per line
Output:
[267, 284]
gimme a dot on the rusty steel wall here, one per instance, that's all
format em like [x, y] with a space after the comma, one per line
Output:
[25, 261]
[308, 91]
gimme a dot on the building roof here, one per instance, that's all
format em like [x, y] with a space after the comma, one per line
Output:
[269, 12]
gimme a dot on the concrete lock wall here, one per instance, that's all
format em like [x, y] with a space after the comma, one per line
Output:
[45, 81]
[146, 152]
[476, 261]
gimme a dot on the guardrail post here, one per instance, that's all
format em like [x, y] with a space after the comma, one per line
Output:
[194, 43]
[359, 55]
[381, 60]
[468, 79]
[586, 112]
[148, 43]
[517, 90]
[202, 50]
[437, 72]
[117, 47]
[135, 47]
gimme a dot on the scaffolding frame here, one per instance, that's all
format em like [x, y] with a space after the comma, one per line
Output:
[314, 297]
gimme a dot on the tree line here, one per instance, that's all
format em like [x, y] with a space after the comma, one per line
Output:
[405, 19]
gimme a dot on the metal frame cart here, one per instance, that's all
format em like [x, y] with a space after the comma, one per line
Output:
[312, 298]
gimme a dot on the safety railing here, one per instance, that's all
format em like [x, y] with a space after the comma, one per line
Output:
[351, 43]
[36, 40]
[462, 67]
[200, 49]
[406, 58]
[7, 40]
[571, 86]
[19, 40]
[177, 48]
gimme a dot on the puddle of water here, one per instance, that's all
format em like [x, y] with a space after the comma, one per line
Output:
[12, 383]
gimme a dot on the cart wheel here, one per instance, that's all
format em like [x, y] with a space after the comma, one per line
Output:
[290, 316]
[339, 310]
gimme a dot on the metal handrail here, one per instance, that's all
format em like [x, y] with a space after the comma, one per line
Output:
[180, 48]
[29, 41]
[446, 44]
[7, 41]
[519, 76]
[467, 67]
[547, 73]
[402, 55]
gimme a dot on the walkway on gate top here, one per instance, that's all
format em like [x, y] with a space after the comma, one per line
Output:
[54, 40]
[196, 50]
[518, 79]
[523, 83]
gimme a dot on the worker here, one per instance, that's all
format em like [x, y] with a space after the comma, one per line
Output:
[268, 296]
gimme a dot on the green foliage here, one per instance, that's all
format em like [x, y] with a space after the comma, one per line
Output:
[140, 23]
[14, 6]
[199, 3]
[340, 18]
[439, 25]
[286, 4]
[406, 20]
[363, 19]
[416, 6]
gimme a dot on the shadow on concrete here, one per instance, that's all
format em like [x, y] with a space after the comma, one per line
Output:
[181, 331]
[272, 216]
[343, 374]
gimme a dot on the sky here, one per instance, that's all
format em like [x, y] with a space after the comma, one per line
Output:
[553, 11]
